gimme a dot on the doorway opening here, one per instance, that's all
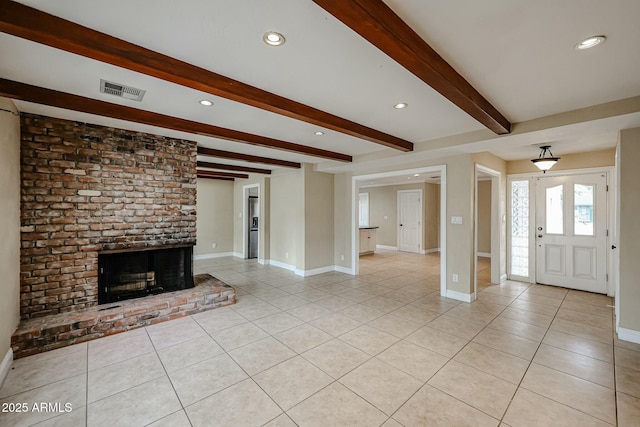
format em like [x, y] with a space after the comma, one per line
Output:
[251, 223]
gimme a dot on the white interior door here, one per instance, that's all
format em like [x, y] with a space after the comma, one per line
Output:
[571, 232]
[409, 220]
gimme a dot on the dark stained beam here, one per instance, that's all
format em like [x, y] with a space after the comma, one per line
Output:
[221, 178]
[38, 95]
[210, 165]
[222, 174]
[378, 24]
[38, 26]
[246, 157]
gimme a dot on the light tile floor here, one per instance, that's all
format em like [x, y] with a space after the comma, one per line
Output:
[332, 350]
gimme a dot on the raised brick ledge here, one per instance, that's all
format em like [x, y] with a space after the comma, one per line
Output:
[60, 330]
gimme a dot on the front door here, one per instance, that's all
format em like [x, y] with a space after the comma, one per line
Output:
[409, 220]
[571, 231]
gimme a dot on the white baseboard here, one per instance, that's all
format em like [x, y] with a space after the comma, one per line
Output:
[282, 265]
[313, 272]
[345, 270]
[431, 251]
[5, 365]
[484, 254]
[459, 296]
[629, 335]
[263, 261]
[238, 255]
[215, 255]
[388, 248]
[503, 278]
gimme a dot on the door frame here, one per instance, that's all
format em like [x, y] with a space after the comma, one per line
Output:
[245, 220]
[496, 277]
[610, 174]
[421, 249]
[355, 186]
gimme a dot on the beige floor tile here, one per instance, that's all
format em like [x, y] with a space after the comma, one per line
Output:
[413, 359]
[370, 340]
[124, 349]
[384, 303]
[171, 334]
[311, 294]
[277, 323]
[602, 311]
[309, 312]
[416, 314]
[336, 405]
[455, 326]
[189, 353]
[206, 378]
[362, 313]
[431, 407]
[288, 302]
[522, 304]
[290, 382]
[516, 327]
[243, 404]
[497, 363]
[123, 375]
[336, 357]
[261, 355]
[532, 410]
[269, 294]
[540, 299]
[547, 291]
[177, 419]
[335, 324]
[395, 325]
[335, 303]
[580, 345]
[214, 321]
[625, 358]
[476, 388]
[440, 342]
[281, 421]
[625, 344]
[537, 319]
[239, 335]
[628, 410]
[71, 390]
[303, 338]
[495, 299]
[580, 366]
[392, 423]
[585, 396]
[512, 344]
[585, 318]
[256, 311]
[472, 313]
[628, 381]
[75, 418]
[603, 335]
[382, 385]
[125, 409]
[589, 298]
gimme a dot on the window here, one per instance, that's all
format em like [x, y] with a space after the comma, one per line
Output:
[555, 209]
[363, 210]
[583, 210]
[519, 262]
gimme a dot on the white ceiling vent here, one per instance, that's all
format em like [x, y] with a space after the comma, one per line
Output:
[123, 91]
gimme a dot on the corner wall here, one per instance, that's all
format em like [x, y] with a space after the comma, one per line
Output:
[9, 231]
[214, 223]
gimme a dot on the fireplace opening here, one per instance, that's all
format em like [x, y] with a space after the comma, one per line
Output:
[134, 274]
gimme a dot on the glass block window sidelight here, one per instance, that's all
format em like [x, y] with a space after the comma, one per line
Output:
[519, 259]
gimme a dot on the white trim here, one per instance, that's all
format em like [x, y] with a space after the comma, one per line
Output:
[459, 296]
[503, 278]
[214, 255]
[238, 255]
[345, 270]
[421, 216]
[313, 272]
[388, 248]
[431, 251]
[263, 261]
[5, 365]
[630, 335]
[560, 172]
[282, 265]
[484, 254]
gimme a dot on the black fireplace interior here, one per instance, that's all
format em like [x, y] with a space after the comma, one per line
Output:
[126, 275]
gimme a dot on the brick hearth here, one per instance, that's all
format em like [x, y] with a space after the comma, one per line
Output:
[48, 333]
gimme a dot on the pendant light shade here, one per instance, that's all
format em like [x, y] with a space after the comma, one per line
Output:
[545, 160]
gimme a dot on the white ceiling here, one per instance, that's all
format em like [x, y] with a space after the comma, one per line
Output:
[518, 53]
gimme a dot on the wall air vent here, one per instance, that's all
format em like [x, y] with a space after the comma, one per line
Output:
[123, 91]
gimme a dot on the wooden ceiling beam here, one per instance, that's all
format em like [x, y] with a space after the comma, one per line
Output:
[222, 174]
[378, 24]
[41, 27]
[221, 178]
[38, 95]
[210, 165]
[203, 151]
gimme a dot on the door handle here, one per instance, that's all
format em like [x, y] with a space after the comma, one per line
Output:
[613, 246]
[540, 235]
[400, 225]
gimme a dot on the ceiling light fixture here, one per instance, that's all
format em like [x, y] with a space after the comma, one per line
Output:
[273, 39]
[417, 174]
[206, 103]
[319, 133]
[590, 42]
[401, 105]
[545, 160]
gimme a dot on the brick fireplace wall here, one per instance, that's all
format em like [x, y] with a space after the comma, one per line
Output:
[87, 188]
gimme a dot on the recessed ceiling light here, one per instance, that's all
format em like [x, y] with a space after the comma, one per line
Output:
[206, 103]
[273, 39]
[401, 105]
[590, 42]
[319, 133]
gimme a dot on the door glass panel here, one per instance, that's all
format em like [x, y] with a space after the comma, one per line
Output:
[520, 228]
[554, 210]
[583, 209]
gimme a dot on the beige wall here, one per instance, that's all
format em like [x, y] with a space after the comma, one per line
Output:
[9, 225]
[432, 216]
[592, 159]
[215, 216]
[629, 237]
[318, 219]
[484, 216]
[287, 223]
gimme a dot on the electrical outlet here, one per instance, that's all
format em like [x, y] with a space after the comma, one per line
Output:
[214, 245]
[286, 255]
[455, 278]
[341, 257]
